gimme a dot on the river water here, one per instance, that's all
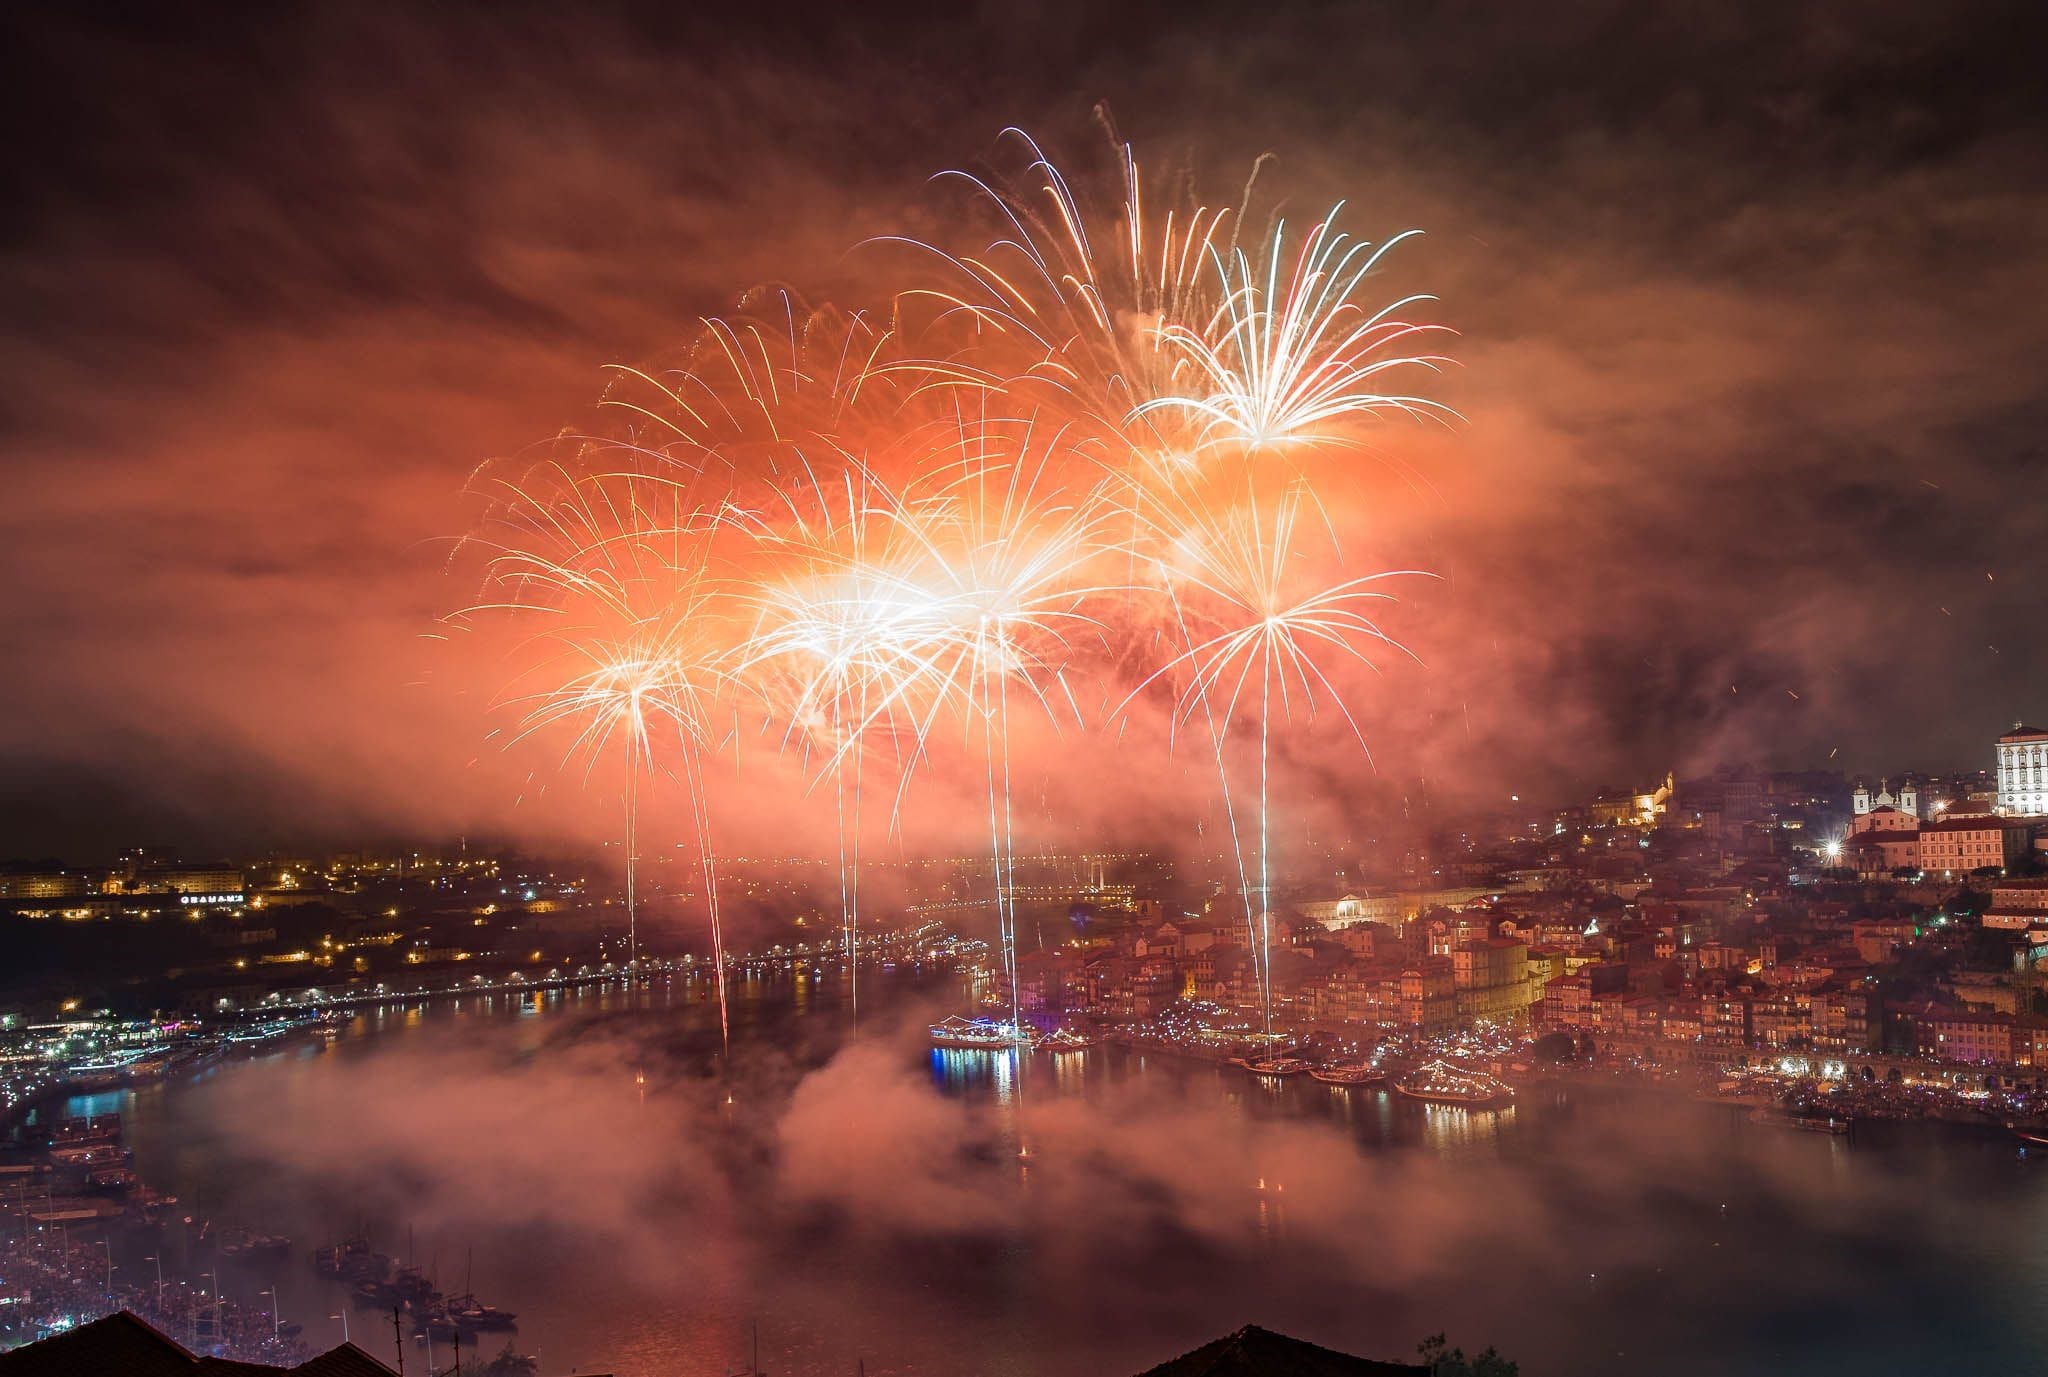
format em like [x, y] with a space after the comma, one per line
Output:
[648, 1207]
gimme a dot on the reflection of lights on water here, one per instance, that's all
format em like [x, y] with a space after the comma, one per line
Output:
[1446, 1125]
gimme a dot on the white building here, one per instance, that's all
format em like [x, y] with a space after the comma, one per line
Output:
[1907, 801]
[2023, 771]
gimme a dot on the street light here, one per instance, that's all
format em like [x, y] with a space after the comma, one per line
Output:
[276, 1317]
[343, 1317]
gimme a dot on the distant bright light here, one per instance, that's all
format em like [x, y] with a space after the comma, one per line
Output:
[1832, 850]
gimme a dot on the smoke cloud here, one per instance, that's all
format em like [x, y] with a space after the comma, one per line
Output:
[1745, 344]
[853, 1203]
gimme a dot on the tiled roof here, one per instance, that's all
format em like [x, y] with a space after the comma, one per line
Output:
[346, 1361]
[1973, 822]
[123, 1345]
[120, 1345]
[1256, 1352]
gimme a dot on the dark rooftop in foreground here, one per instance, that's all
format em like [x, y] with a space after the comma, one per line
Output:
[1256, 1352]
[121, 1345]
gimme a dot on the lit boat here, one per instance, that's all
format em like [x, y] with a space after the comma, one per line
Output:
[1358, 1073]
[101, 1128]
[1277, 1066]
[105, 1155]
[979, 1034]
[1066, 1040]
[2032, 1135]
[1439, 1082]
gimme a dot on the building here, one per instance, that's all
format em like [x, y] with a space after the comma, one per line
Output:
[1906, 801]
[1884, 818]
[2018, 905]
[1491, 978]
[124, 1344]
[1975, 1039]
[40, 884]
[1256, 1352]
[1959, 845]
[1882, 850]
[2023, 771]
[1429, 997]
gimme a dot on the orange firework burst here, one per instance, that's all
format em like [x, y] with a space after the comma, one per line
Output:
[865, 525]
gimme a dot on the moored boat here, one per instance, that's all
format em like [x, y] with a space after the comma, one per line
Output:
[471, 1313]
[112, 1180]
[1805, 1123]
[247, 1244]
[1277, 1066]
[1358, 1073]
[1066, 1040]
[1439, 1082]
[979, 1034]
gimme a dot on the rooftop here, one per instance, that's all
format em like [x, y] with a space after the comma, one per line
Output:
[1256, 1352]
[126, 1345]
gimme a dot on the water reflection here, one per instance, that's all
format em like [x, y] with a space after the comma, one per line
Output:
[1647, 1228]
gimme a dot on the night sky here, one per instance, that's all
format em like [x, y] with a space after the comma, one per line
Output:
[1749, 299]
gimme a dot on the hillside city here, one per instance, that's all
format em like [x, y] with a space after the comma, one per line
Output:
[1883, 940]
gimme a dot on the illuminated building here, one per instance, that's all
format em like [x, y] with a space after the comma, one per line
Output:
[1959, 845]
[1884, 818]
[197, 887]
[1491, 979]
[1881, 851]
[2018, 905]
[2023, 771]
[1429, 997]
[1907, 800]
[40, 884]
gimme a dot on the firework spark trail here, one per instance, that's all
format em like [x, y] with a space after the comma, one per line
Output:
[836, 646]
[865, 525]
[1236, 563]
[631, 632]
[1273, 363]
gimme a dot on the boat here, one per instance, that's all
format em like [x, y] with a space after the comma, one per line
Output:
[1358, 1073]
[83, 1132]
[1277, 1066]
[471, 1313]
[2030, 1135]
[1805, 1123]
[112, 1180]
[104, 1155]
[243, 1243]
[414, 1286]
[979, 1034]
[351, 1260]
[1066, 1040]
[1439, 1082]
[434, 1326]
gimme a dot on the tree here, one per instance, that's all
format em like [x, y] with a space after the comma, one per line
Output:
[1556, 1046]
[1443, 1361]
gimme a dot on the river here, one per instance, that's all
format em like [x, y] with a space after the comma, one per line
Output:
[647, 1207]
